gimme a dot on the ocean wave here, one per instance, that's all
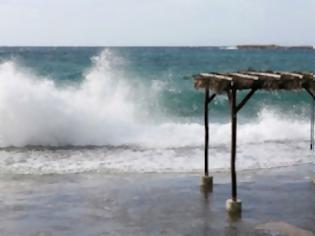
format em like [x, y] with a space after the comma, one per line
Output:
[133, 159]
[107, 110]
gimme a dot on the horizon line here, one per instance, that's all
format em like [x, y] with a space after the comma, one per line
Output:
[194, 46]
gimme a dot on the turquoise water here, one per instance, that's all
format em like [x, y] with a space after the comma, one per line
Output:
[170, 67]
[103, 106]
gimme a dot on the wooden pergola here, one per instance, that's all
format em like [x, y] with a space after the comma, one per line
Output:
[230, 83]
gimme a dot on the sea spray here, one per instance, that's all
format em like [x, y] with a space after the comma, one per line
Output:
[34, 111]
[109, 122]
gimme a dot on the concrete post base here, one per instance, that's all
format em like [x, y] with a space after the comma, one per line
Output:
[206, 183]
[234, 207]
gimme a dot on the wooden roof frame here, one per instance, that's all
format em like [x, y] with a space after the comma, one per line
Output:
[230, 83]
[267, 80]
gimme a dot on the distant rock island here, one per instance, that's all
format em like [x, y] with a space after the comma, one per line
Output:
[273, 46]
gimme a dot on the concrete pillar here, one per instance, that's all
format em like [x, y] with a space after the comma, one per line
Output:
[206, 183]
[234, 207]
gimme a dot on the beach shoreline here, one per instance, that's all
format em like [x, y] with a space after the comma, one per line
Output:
[156, 204]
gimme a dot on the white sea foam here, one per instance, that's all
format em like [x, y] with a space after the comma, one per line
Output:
[104, 111]
[34, 111]
[229, 48]
[157, 160]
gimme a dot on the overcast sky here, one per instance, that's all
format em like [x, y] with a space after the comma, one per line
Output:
[156, 22]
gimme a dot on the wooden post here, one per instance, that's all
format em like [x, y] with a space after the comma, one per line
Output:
[234, 205]
[233, 142]
[206, 180]
[206, 131]
[310, 92]
[312, 124]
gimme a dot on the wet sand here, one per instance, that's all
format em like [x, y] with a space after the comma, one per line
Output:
[275, 202]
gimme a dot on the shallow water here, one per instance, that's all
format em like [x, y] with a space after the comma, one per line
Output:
[153, 204]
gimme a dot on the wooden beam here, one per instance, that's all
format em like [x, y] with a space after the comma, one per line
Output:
[211, 98]
[215, 82]
[310, 92]
[290, 75]
[307, 75]
[243, 76]
[207, 101]
[216, 76]
[232, 100]
[206, 130]
[245, 99]
[312, 125]
[312, 118]
[265, 75]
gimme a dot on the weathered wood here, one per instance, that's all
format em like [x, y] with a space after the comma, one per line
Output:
[220, 82]
[312, 117]
[230, 83]
[245, 99]
[211, 98]
[312, 125]
[310, 93]
[290, 75]
[244, 81]
[206, 130]
[265, 75]
[233, 109]
[207, 101]
[243, 76]
[215, 82]
[216, 76]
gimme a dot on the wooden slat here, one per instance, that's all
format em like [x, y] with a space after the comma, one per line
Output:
[216, 76]
[309, 75]
[243, 76]
[264, 75]
[290, 74]
[214, 82]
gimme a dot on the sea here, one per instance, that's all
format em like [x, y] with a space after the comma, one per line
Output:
[67, 110]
